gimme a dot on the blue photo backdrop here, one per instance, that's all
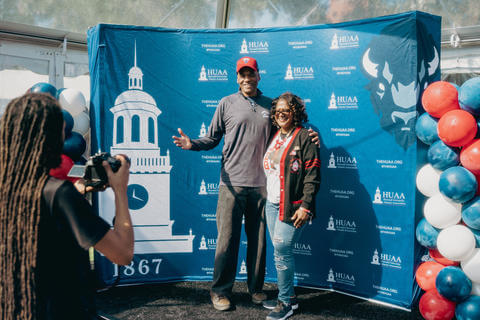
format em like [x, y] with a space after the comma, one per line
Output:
[361, 82]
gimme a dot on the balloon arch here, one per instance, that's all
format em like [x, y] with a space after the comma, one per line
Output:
[450, 180]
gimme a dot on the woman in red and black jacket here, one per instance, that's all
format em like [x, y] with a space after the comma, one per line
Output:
[292, 167]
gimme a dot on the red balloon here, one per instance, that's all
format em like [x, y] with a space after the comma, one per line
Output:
[439, 98]
[457, 128]
[62, 170]
[437, 256]
[470, 156]
[435, 307]
[427, 274]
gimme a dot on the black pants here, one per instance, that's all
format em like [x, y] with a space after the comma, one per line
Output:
[233, 204]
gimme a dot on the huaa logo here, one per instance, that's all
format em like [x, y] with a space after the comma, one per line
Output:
[254, 47]
[289, 73]
[386, 260]
[333, 102]
[331, 162]
[207, 244]
[394, 87]
[203, 130]
[342, 102]
[342, 162]
[208, 188]
[341, 225]
[299, 72]
[203, 74]
[212, 74]
[343, 41]
[389, 198]
[334, 44]
[340, 278]
[244, 47]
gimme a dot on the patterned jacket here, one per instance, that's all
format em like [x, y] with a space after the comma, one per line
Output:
[299, 175]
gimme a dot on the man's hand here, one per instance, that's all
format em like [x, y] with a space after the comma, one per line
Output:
[314, 135]
[183, 141]
[300, 218]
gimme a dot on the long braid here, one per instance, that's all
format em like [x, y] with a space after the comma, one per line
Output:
[30, 144]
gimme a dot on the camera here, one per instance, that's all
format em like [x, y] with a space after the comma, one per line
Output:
[93, 171]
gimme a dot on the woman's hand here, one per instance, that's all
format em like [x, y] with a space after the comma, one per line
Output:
[300, 218]
[118, 180]
[83, 189]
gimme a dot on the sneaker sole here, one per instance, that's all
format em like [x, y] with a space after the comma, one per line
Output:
[289, 313]
[257, 301]
[294, 307]
[222, 308]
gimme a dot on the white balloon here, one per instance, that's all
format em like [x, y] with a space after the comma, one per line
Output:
[475, 289]
[427, 180]
[456, 243]
[73, 101]
[441, 212]
[471, 267]
[81, 123]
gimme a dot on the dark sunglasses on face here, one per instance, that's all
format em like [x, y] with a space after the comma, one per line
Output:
[284, 112]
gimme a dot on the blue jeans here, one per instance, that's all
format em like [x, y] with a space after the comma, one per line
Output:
[283, 236]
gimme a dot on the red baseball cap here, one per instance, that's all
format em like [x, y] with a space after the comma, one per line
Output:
[247, 62]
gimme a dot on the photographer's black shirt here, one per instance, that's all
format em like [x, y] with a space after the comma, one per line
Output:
[65, 284]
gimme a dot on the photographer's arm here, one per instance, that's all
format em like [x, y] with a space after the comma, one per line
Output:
[117, 244]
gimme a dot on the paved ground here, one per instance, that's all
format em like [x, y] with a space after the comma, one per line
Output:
[191, 300]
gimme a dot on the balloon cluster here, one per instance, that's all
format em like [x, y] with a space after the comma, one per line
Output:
[77, 125]
[450, 228]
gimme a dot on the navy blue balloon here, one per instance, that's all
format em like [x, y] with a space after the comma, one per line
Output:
[458, 184]
[67, 117]
[426, 234]
[468, 309]
[453, 284]
[74, 146]
[426, 129]
[441, 156]
[43, 87]
[469, 96]
[471, 213]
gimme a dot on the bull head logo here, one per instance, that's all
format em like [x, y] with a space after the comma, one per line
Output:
[397, 80]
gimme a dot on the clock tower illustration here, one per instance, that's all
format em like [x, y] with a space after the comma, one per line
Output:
[135, 114]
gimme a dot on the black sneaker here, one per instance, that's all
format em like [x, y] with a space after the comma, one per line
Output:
[271, 304]
[280, 312]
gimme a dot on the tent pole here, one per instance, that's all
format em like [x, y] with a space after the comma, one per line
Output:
[223, 10]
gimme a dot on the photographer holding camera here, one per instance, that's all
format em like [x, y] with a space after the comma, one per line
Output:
[46, 225]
